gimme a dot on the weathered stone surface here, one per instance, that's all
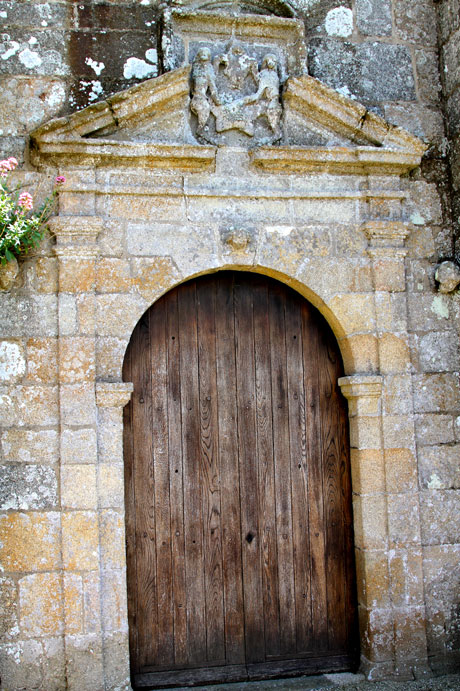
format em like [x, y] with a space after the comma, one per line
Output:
[112, 312]
[400, 470]
[28, 487]
[370, 515]
[439, 467]
[42, 355]
[28, 316]
[415, 21]
[30, 541]
[78, 487]
[110, 352]
[46, 55]
[448, 276]
[436, 392]
[441, 567]
[37, 405]
[440, 513]
[85, 667]
[78, 446]
[425, 122]
[28, 446]
[368, 471]
[113, 548]
[76, 360]
[12, 361]
[27, 102]
[403, 520]
[365, 71]
[40, 601]
[428, 81]
[373, 17]
[109, 434]
[21, 664]
[372, 578]
[80, 548]
[9, 607]
[406, 577]
[439, 352]
[77, 404]
[434, 429]
[110, 485]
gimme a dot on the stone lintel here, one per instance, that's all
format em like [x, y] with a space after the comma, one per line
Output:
[387, 233]
[361, 386]
[113, 394]
[337, 160]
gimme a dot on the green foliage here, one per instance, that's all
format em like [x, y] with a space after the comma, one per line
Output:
[21, 228]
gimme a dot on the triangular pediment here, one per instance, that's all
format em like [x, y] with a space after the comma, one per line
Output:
[152, 124]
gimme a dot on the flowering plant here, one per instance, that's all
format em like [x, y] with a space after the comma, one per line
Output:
[20, 226]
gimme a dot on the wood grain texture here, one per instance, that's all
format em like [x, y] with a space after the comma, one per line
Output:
[238, 494]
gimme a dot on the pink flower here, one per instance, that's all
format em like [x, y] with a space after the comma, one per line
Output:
[13, 162]
[26, 201]
[60, 180]
[5, 166]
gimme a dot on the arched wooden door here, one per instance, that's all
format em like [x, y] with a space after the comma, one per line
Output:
[238, 498]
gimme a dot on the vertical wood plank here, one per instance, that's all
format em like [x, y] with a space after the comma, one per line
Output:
[281, 452]
[266, 470]
[209, 442]
[158, 374]
[247, 449]
[299, 470]
[229, 471]
[332, 496]
[144, 491]
[176, 487]
[194, 567]
[314, 478]
[130, 503]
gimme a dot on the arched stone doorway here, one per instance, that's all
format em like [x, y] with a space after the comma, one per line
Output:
[238, 491]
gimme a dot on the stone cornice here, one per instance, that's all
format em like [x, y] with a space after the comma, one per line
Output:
[346, 117]
[335, 160]
[97, 152]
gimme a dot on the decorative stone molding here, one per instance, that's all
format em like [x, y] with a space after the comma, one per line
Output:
[383, 234]
[362, 160]
[74, 229]
[113, 394]
[363, 393]
[361, 385]
[238, 240]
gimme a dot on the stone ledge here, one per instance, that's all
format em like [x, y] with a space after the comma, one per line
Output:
[336, 160]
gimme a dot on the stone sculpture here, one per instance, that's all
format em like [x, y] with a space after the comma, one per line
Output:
[236, 93]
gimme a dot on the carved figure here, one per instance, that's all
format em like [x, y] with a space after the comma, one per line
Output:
[237, 65]
[267, 94]
[232, 113]
[203, 81]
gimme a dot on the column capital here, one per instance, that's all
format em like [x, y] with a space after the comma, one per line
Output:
[113, 394]
[76, 235]
[387, 233]
[361, 386]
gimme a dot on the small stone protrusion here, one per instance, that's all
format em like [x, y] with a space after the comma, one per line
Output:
[238, 240]
[8, 273]
[447, 274]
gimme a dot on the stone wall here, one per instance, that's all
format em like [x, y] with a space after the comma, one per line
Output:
[449, 47]
[65, 323]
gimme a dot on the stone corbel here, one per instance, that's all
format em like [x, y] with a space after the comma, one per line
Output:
[113, 395]
[447, 275]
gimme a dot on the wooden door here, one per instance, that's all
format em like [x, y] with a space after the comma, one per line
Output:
[238, 498]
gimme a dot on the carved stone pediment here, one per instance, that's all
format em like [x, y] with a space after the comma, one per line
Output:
[242, 83]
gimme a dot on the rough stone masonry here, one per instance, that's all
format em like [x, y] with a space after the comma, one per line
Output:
[345, 186]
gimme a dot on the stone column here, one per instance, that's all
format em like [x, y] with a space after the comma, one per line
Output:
[370, 522]
[76, 250]
[110, 399]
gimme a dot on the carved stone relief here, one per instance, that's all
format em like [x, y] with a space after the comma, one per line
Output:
[231, 93]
